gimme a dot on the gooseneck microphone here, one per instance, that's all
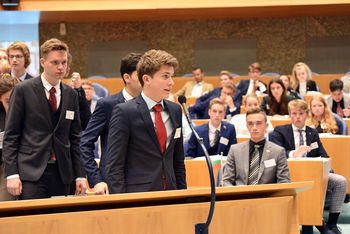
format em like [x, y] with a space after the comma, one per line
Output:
[201, 228]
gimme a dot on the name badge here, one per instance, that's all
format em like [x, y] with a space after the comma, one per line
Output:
[177, 133]
[314, 145]
[270, 163]
[69, 114]
[223, 140]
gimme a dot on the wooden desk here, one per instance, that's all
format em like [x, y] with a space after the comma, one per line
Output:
[338, 148]
[245, 209]
[278, 122]
[310, 205]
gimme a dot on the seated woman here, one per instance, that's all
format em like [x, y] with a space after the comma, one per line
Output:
[276, 103]
[301, 79]
[321, 117]
[286, 81]
[239, 121]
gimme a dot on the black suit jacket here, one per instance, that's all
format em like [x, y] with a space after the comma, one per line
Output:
[30, 135]
[310, 86]
[135, 162]
[283, 136]
[244, 85]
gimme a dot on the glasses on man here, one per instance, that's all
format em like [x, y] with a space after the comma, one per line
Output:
[16, 56]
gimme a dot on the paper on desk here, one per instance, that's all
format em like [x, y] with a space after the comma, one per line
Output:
[308, 159]
[212, 157]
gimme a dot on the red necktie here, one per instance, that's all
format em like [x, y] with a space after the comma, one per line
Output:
[160, 127]
[52, 99]
[340, 110]
[53, 103]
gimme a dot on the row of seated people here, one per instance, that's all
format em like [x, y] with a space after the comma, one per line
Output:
[258, 161]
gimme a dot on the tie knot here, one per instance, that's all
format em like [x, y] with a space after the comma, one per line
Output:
[217, 131]
[52, 90]
[157, 108]
[338, 103]
[300, 131]
[257, 146]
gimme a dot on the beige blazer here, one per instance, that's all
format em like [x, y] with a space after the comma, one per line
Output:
[187, 89]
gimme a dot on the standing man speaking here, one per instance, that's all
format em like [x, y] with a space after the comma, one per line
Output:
[42, 132]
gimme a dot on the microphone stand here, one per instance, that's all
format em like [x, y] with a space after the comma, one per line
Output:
[202, 228]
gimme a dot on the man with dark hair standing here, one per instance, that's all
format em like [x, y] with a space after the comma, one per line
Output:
[145, 143]
[42, 132]
[99, 123]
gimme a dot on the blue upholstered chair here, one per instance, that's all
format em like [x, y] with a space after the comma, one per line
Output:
[343, 126]
[315, 73]
[347, 73]
[100, 90]
[97, 77]
[318, 88]
[235, 74]
[188, 75]
[270, 74]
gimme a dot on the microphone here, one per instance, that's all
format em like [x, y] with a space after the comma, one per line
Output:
[182, 100]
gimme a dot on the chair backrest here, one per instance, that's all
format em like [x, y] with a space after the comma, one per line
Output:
[188, 75]
[343, 126]
[347, 73]
[218, 180]
[100, 90]
[97, 77]
[235, 74]
[318, 88]
[95, 97]
[315, 73]
[270, 74]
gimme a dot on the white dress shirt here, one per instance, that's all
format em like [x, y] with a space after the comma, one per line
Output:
[197, 89]
[261, 90]
[212, 131]
[296, 135]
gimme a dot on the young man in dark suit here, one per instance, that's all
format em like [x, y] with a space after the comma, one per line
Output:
[145, 142]
[42, 132]
[218, 136]
[300, 140]
[19, 59]
[99, 124]
[253, 85]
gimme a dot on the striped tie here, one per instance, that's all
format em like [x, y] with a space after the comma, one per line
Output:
[254, 167]
[301, 141]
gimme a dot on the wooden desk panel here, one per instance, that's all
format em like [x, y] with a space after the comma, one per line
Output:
[278, 122]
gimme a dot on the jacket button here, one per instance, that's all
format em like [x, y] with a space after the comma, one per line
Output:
[48, 150]
[163, 176]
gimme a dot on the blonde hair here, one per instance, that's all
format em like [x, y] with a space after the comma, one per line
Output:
[294, 79]
[18, 45]
[299, 105]
[227, 73]
[255, 65]
[328, 120]
[252, 95]
[6, 67]
[217, 101]
[86, 82]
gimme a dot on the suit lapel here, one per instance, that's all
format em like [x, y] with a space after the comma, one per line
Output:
[245, 161]
[290, 136]
[42, 99]
[63, 103]
[308, 136]
[145, 114]
[173, 121]
[265, 156]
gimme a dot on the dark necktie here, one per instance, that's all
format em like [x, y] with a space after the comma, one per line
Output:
[339, 110]
[254, 167]
[52, 99]
[217, 137]
[301, 141]
[160, 127]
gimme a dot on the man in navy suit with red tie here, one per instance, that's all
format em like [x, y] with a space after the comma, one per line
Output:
[145, 142]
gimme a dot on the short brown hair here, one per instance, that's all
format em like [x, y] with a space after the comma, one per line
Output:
[6, 67]
[230, 85]
[298, 104]
[227, 73]
[256, 110]
[53, 44]
[18, 45]
[69, 60]
[86, 82]
[151, 62]
[255, 65]
[217, 101]
[252, 95]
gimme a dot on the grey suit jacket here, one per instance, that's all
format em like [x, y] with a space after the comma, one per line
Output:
[135, 162]
[329, 100]
[237, 165]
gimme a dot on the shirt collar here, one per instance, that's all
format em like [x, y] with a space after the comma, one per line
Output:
[126, 95]
[261, 143]
[21, 77]
[212, 129]
[252, 81]
[150, 103]
[48, 86]
[199, 83]
[297, 129]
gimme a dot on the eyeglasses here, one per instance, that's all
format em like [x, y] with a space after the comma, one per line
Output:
[16, 56]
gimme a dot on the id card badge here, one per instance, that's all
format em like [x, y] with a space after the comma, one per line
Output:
[69, 115]
[177, 133]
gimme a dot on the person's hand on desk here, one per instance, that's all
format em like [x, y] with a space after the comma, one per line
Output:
[259, 84]
[80, 187]
[346, 112]
[14, 186]
[101, 189]
[302, 150]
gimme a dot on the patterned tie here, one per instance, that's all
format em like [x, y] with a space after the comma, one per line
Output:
[217, 137]
[53, 103]
[160, 127]
[339, 110]
[52, 99]
[254, 167]
[301, 140]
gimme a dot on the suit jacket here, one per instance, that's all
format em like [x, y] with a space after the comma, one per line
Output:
[244, 85]
[310, 86]
[135, 162]
[200, 109]
[264, 104]
[283, 136]
[346, 99]
[28, 76]
[227, 131]
[216, 92]
[31, 138]
[98, 126]
[237, 165]
[84, 109]
[187, 88]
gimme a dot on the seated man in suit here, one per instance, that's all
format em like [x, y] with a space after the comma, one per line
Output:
[145, 143]
[253, 85]
[256, 161]
[225, 77]
[300, 140]
[197, 87]
[218, 136]
[200, 109]
[99, 124]
[19, 59]
[338, 101]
